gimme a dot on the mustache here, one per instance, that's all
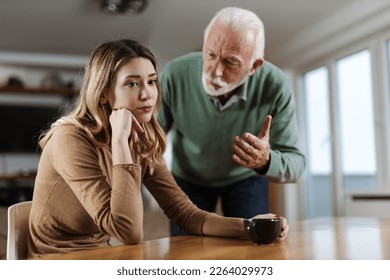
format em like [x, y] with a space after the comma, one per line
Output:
[217, 81]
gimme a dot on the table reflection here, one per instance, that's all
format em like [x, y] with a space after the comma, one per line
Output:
[341, 238]
[315, 239]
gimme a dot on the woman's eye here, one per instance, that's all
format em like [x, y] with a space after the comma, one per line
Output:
[132, 84]
[152, 82]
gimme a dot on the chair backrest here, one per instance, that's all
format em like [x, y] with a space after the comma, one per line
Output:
[18, 216]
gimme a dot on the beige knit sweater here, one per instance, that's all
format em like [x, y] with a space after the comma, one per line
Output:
[80, 199]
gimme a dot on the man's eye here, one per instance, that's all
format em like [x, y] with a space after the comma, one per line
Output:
[232, 63]
[211, 55]
[132, 84]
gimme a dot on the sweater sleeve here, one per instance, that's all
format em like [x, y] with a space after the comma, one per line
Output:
[165, 116]
[173, 201]
[287, 161]
[178, 207]
[117, 208]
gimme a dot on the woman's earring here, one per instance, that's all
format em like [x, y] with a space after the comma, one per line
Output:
[103, 100]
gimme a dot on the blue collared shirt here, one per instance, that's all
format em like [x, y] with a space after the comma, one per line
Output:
[239, 93]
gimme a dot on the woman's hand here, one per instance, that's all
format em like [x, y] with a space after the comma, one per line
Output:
[284, 225]
[124, 126]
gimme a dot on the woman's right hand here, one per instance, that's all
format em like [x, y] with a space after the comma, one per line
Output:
[124, 125]
[284, 224]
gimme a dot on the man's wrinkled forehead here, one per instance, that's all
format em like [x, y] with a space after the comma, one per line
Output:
[223, 38]
[223, 34]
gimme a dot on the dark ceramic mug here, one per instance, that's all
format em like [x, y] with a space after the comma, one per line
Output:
[263, 231]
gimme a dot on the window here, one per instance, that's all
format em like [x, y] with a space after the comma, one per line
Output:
[318, 127]
[352, 108]
[319, 187]
[356, 113]
[388, 62]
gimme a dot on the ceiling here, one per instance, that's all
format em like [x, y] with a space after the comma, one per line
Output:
[169, 27]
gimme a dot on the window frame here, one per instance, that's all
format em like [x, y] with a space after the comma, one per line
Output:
[380, 78]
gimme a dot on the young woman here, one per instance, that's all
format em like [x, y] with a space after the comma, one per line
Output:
[95, 159]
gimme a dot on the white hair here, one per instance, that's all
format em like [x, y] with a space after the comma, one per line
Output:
[239, 19]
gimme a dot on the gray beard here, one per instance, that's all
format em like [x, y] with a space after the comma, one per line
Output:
[225, 88]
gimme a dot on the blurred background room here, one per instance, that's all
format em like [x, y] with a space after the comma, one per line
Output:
[336, 53]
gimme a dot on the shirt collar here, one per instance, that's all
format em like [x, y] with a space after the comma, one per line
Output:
[239, 93]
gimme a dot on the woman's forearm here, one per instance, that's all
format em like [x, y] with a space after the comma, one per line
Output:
[121, 152]
[216, 225]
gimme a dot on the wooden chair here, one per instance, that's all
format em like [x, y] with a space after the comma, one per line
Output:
[18, 216]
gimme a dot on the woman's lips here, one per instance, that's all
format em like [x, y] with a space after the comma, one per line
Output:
[145, 109]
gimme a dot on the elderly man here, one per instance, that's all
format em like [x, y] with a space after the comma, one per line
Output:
[233, 119]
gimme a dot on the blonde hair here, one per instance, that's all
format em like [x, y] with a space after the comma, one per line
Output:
[93, 117]
[241, 19]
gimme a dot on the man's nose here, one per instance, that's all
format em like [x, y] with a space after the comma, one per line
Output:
[217, 70]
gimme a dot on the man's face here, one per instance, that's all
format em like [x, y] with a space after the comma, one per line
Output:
[227, 59]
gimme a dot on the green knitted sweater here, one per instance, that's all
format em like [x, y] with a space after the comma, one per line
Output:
[203, 137]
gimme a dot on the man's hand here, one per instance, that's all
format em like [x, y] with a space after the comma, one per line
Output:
[253, 151]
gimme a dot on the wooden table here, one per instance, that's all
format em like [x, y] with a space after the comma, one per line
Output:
[316, 239]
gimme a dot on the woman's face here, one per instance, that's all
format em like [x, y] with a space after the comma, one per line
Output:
[134, 86]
